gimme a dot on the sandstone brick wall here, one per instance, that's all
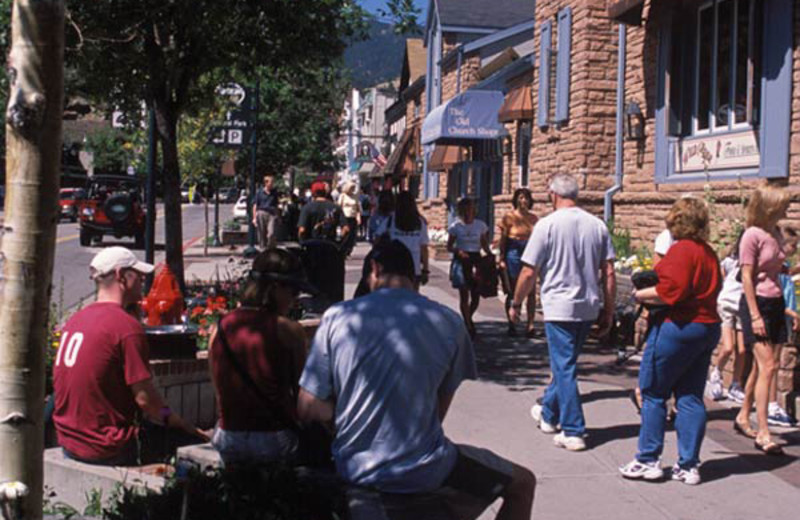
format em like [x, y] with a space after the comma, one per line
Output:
[585, 144]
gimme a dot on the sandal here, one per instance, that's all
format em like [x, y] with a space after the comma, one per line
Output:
[744, 429]
[770, 447]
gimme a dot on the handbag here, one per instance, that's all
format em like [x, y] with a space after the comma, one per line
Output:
[486, 277]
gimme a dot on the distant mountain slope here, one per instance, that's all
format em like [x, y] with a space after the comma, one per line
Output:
[376, 59]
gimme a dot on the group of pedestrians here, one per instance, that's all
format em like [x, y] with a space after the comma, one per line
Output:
[370, 391]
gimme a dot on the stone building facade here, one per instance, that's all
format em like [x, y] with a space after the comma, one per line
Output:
[708, 106]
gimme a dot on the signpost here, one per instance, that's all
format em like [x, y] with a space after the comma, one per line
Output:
[238, 131]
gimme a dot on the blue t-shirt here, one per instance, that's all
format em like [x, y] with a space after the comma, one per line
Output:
[384, 359]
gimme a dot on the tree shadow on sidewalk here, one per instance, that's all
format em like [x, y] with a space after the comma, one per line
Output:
[743, 464]
[510, 361]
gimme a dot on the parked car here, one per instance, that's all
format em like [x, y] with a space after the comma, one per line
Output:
[228, 195]
[113, 206]
[69, 201]
[240, 209]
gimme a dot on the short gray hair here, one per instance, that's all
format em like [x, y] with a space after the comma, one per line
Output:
[564, 185]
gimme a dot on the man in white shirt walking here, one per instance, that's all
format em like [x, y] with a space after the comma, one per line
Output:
[571, 251]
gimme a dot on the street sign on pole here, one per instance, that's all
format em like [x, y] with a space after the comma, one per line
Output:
[229, 136]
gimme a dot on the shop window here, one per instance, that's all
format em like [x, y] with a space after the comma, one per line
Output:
[723, 100]
[727, 62]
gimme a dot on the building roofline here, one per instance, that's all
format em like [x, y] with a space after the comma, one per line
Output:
[490, 39]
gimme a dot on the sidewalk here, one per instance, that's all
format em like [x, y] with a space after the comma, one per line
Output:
[493, 412]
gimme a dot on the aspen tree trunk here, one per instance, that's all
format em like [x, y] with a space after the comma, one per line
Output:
[33, 142]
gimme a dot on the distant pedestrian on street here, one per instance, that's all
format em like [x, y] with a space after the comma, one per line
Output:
[266, 212]
[384, 210]
[351, 209]
[570, 251]
[256, 356]
[516, 228]
[467, 236]
[382, 371]
[366, 210]
[321, 218]
[680, 345]
[108, 411]
[762, 308]
[410, 228]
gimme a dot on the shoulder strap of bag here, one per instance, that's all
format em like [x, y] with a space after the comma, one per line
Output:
[271, 405]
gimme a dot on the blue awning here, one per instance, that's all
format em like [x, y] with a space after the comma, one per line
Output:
[471, 115]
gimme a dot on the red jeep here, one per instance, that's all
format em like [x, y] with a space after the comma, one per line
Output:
[113, 206]
[69, 200]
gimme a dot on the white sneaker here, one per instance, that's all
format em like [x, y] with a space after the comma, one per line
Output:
[689, 476]
[546, 427]
[735, 393]
[642, 470]
[714, 390]
[569, 443]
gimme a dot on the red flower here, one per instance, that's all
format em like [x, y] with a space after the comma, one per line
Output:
[197, 311]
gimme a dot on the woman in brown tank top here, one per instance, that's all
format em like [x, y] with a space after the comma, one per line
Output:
[256, 357]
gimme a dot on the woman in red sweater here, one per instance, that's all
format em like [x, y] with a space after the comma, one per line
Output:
[680, 345]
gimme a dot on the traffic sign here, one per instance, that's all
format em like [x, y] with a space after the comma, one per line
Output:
[235, 93]
[229, 136]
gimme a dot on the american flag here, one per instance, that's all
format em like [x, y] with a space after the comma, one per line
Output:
[377, 157]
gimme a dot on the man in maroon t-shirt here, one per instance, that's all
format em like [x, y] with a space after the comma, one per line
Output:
[102, 377]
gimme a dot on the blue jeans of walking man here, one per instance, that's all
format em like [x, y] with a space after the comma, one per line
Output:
[675, 361]
[562, 401]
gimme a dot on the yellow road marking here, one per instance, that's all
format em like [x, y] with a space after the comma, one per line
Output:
[66, 238]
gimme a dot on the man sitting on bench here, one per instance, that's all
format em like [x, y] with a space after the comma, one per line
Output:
[386, 366]
[101, 377]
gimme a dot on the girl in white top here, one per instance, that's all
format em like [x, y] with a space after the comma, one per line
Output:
[467, 236]
[408, 226]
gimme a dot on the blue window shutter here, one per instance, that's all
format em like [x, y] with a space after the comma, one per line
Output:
[563, 66]
[662, 166]
[776, 88]
[546, 35]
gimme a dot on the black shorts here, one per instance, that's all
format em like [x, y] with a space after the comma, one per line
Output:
[773, 312]
[478, 479]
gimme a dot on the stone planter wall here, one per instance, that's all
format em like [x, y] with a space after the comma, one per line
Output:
[439, 252]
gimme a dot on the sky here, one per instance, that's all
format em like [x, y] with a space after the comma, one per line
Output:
[374, 5]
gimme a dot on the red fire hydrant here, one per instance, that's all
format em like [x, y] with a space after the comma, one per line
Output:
[163, 305]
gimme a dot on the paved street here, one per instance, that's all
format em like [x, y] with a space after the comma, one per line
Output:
[70, 273]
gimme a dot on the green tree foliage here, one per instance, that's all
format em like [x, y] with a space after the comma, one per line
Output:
[114, 150]
[127, 51]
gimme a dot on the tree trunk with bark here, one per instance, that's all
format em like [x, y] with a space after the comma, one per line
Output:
[33, 160]
[167, 126]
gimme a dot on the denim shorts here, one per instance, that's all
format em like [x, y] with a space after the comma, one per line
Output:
[253, 447]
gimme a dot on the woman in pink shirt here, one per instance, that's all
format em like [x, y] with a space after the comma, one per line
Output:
[761, 309]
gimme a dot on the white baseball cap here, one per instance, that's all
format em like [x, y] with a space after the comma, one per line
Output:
[112, 258]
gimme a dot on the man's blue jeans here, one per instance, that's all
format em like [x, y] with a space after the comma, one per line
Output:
[562, 402]
[675, 361]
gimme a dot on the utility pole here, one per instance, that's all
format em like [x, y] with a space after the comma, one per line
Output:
[33, 164]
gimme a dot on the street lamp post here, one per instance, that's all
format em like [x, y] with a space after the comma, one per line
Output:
[251, 250]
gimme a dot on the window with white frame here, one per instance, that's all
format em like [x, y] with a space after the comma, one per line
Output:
[726, 67]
